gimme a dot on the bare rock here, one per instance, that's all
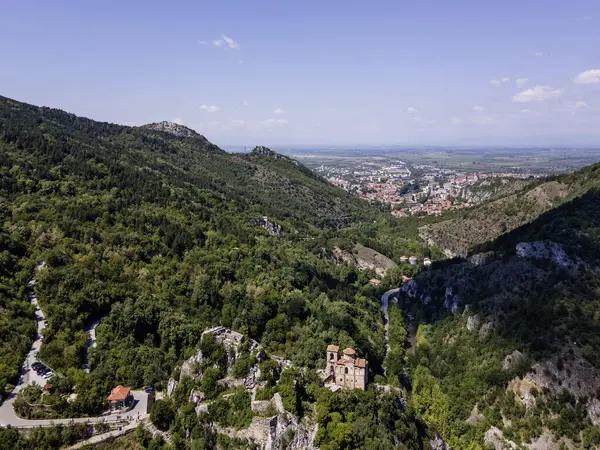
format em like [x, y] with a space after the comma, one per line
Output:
[437, 443]
[545, 250]
[495, 438]
[513, 360]
[473, 322]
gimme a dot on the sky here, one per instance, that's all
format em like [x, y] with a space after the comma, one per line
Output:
[316, 72]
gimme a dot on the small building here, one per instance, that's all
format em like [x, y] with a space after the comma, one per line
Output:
[403, 259]
[426, 262]
[120, 398]
[412, 260]
[375, 281]
[348, 372]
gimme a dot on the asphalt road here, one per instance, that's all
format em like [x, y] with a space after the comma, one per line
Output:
[29, 376]
[385, 301]
[91, 330]
[8, 416]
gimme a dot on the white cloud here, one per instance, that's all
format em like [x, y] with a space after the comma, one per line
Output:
[412, 110]
[227, 42]
[209, 108]
[177, 120]
[587, 18]
[537, 94]
[237, 123]
[477, 108]
[240, 61]
[539, 54]
[574, 107]
[482, 120]
[456, 120]
[245, 103]
[591, 76]
[499, 81]
[203, 42]
[522, 82]
[279, 111]
[420, 120]
[274, 122]
[526, 111]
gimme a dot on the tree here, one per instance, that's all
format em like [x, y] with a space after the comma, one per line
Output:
[162, 414]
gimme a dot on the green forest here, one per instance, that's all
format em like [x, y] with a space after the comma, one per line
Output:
[163, 236]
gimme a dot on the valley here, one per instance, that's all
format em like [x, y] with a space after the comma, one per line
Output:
[203, 289]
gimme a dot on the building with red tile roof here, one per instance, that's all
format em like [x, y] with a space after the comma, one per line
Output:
[349, 372]
[120, 398]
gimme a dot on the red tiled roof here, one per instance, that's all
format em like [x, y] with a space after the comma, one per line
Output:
[119, 393]
[349, 351]
[361, 363]
[332, 348]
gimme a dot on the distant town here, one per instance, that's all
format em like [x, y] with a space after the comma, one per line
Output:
[420, 189]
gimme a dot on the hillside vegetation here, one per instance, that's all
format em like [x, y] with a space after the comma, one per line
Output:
[163, 232]
[509, 338]
[484, 223]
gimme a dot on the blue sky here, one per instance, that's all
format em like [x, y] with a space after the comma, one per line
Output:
[307, 72]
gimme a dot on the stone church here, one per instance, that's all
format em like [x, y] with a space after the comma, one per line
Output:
[349, 372]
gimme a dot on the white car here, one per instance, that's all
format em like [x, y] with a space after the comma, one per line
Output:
[48, 375]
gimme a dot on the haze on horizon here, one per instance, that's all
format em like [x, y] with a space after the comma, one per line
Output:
[316, 73]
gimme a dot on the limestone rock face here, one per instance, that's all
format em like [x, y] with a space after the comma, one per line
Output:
[231, 340]
[437, 443]
[171, 386]
[172, 128]
[545, 250]
[495, 438]
[473, 322]
[482, 259]
[364, 258]
[512, 360]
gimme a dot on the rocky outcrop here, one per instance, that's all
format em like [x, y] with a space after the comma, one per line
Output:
[568, 371]
[231, 340]
[473, 322]
[273, 228]
[495, 438]
[545, 250]
[437, 443]
[525, 390]
[282, 431]
[171, 386]
[264, 151]
[172, 128]
[364, 258]
[482, 259]
[513, 360]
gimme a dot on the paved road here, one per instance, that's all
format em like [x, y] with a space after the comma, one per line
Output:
[91, 330]
[8, 416]
[29, 376]
[386, 317]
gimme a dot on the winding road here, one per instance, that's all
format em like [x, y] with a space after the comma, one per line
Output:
[91, 330]
[29, 376]
[385, 302]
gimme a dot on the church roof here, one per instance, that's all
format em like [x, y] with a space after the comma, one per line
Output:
[332, 348]
[349, 351]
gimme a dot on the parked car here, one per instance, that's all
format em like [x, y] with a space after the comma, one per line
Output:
[48, 375]
[150, 389]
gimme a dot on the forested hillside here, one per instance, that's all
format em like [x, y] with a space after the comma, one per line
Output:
[459, 234]
[163, 233]
[508, 339]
